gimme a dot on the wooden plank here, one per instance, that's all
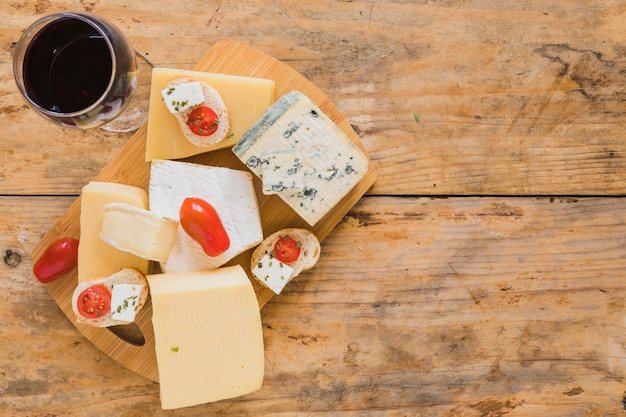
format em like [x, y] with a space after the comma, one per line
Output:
[457, 306]
[540, 109]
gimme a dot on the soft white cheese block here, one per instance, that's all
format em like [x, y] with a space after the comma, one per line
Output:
[183, 96]
[272, 273]
[208, 336]
[331, 163]
[124, 301]
[229, 191]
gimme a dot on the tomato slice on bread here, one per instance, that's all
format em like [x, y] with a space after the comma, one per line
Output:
[287, 249]
[203, 121]
[94, 301]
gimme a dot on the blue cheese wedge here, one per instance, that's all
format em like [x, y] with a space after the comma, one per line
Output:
[283, 171]
[229, 191]
[183, 96]
[125, 301]
[272, 273]
[294, 134]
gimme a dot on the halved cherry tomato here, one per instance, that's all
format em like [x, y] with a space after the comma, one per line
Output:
[287, 249]
[203, 121]
[94, 301]
[203, 224]
[57, 260]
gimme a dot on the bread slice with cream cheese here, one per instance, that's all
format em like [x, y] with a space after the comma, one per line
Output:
[181, 110]
[274, 274]
[128, 278]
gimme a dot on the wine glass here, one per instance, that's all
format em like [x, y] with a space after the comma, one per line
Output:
[78, 70]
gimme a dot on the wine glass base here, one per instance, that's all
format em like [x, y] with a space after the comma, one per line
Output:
[136, 112]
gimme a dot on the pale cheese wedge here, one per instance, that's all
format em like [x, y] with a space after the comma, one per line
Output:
[208, 336]
[97, 259]
[246, 99]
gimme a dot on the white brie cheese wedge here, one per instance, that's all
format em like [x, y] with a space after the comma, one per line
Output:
[183, 96]
[124, 301]
[295, 132]
[272, 273]
[229, 191]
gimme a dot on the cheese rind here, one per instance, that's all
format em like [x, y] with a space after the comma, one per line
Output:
[245, 98]
[208, 336]
[229, 191]
[330, 163]
[138, 231]
[97, 259]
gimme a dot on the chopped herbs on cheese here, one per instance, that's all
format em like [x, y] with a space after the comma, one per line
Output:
[183, 96]
[125, 301]
[179, 104]
[273, 273]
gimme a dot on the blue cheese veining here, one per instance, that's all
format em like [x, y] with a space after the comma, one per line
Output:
[301, 155]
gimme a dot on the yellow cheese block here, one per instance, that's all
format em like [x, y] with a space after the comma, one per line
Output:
[96, 259]
[138, 231]
[208, 336]
[246, 99]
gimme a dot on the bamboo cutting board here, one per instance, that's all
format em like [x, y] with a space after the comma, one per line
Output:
[129, 167]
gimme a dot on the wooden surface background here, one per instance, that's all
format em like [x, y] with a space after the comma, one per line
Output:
[482, 275]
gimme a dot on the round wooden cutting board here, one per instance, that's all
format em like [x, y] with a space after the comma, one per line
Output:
[129, 167]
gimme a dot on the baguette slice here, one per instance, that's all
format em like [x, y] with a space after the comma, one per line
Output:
[310, 251]
[213, 100]
[124, 276]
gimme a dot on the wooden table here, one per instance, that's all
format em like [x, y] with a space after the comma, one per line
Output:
[483, 273]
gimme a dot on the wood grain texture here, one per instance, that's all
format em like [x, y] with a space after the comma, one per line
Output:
[466, 305]
[533, 90]
[457, 307]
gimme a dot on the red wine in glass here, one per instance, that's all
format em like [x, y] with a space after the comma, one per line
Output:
[76, 69]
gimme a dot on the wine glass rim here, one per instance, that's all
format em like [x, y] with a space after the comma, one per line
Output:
[85, 17]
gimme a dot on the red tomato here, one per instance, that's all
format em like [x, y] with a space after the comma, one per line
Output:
[94, 302]
[287, 249]
[57, 260]
[203, 121]
[203, 224]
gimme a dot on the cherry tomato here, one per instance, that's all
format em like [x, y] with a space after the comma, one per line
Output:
[57, 260]
[287, 249]
[94, 301]
[203, 224]
[203, 121]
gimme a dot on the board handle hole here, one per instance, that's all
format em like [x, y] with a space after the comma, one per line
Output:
[129, 333]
